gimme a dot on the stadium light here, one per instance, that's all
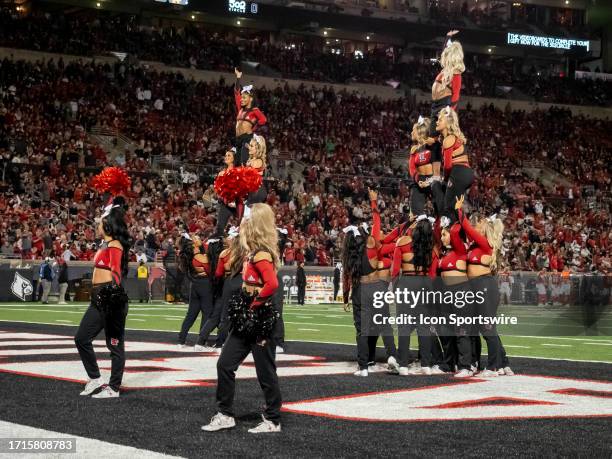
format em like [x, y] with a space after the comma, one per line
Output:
[98, 5]
[238, 22]
[367, 37]
[567, 2]
[325, 32]
[490, 50]
[193, 16]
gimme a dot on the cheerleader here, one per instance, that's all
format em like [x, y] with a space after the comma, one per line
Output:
[226, 209]
[109, 303]
[361, 280]
[458, 174]
[414, 267]
[248, 118]
[486, 242]
[420, 166]
[197, 266]
[257, 160]
[250, 332]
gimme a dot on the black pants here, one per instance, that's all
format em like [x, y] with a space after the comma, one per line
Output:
[230, 286]
[91, 325]
[496, 355]
[242, 149]
[464, 333]
[200, 300]
[212, 321]
[224, 213]
[278, 334]
[459, 181]
[143, 290]
[336, 289]
[257, 196]
[418, 196]
[235, 350]
[373, 330]
[301, 293]
[361, 336]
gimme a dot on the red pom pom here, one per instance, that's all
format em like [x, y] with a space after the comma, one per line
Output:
[237, 183]
[113, 180]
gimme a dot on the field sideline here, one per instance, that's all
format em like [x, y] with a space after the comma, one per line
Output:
[328, 323]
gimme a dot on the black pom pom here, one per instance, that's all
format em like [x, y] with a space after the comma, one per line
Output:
[251, 323]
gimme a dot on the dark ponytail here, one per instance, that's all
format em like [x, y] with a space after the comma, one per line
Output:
[186, 254]
[114, 225]
[352, 255]
[422, 246]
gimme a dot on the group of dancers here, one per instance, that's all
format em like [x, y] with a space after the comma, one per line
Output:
[234, 276]
[442, 253]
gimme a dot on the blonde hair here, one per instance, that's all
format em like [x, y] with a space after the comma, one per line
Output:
[258, 232]
[494, 230]
[260, 150]
[452, 122]
[422, 131]
[452, 61]
[237, 255]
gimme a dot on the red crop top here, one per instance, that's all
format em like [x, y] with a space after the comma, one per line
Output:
[261, 273]
[200, 264]
[372, 252]
[454, 86]
[480, 244]
[419, 157]
[448, 155]
[109, 259]
[458, 251]
[223, 261]
[252, 115]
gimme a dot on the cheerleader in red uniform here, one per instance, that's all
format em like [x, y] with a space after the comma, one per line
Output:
[420, 166]
[257, 160]
[248, 118]
[226, 209]
[458, 174]
[253, 317]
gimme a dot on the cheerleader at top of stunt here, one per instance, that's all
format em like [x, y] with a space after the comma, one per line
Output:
[486, 241]
[109, 303]
[420, 166]
[458, 174]
[251, 312]
[248, 118]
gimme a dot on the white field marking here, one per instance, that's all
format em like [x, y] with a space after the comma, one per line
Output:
[308, 329]
[512, 345]
[304, 317]
[81, 312]
[320, 325]
[331, 342]
[556, 345]
[136, 320]
[172, 318]
[556, 337]
[599, 344]
[85, 447]
[64, 321]
[40, 342]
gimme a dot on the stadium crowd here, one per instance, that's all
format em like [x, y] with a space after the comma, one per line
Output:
[198, 47]
[338, 144]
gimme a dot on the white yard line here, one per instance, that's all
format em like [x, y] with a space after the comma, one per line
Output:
[85, 447]
[556, 345]
[308, 329]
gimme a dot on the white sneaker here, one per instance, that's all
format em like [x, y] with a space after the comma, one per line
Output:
[425, 371]
[62, 302]
[508, 371]
[403, 371]
[361, 373]
[465, 373]
[107, 392]
[266, 427]
[279, 350]
[488, 373]
[216, 350]
[181, 346]
[219, 422]
[474, 368]
[436, 370]
[371, 364]
[92, 385]
[415, 364]
[199, 348]
[392, 364]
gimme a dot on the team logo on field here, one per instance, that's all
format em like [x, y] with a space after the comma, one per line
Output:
[21, 287]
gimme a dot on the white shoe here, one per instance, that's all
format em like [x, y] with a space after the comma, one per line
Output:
[508, 371]
[107, 392]
[465, 373]
[199, 348]
[371, 364]
[219, 422]
[403, 371]
[216, 350]
[361, 373]
[92, 385]
[474, 368]
[415, 364]
[62, 302]
[279, 350]
[181, 346]
[436, 370]
[488, 373]
[425, 371]
[392, 364]
[266, 427]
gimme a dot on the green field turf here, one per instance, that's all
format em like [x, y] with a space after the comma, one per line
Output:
[555, 334]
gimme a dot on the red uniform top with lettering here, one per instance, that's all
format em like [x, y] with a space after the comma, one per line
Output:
[480, 245]
[419, 157]
[457, 252]
[109, 259]
[262, 274]
[251, 115]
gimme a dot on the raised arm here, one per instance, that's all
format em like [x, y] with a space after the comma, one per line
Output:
[237, 89]
[479, 239]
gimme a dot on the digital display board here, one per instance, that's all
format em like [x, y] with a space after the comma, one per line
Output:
[546, 42]
[242, 7]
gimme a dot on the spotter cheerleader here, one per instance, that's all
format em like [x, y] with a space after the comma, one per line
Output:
[458, 174]
[226, 209]
[248, 119]
[230, 282]
[252, 315]
[109, 303]
[257, 160]
[361, 280]
[486, 242]
[420, 166]
[414, 266]
[197, 266]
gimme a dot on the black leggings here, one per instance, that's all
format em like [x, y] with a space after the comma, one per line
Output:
[418, 196]
[91, 325]
[224, 212]
[258, 196]
[373, 330]
[242, 149]
[200, 300]
[459, 181]
[230, 286]
[361, 336]
[235, 350]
